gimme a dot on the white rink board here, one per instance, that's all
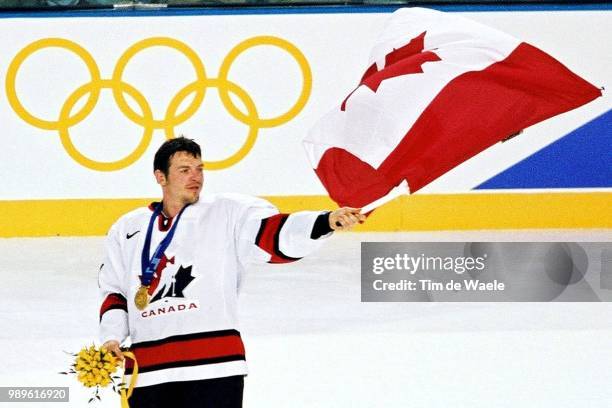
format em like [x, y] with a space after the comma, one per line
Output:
[336, 47]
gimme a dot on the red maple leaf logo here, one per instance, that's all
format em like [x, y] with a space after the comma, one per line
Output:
[405, 60]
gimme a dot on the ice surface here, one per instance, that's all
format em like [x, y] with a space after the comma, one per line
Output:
[311, 342]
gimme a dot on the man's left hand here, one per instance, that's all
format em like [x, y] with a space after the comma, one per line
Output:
[345, 218]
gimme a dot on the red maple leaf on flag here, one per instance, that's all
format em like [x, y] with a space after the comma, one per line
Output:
[402, 61]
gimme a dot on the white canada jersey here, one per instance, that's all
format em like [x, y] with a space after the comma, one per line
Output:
[189, 330]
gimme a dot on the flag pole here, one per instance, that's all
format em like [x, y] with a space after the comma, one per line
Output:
[397, 191]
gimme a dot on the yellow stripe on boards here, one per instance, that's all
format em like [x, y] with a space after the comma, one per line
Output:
[39, 218]
[419, 212]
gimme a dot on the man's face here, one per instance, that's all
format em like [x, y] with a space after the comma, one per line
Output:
[184, 180]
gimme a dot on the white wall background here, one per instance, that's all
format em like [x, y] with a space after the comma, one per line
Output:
[36, 166]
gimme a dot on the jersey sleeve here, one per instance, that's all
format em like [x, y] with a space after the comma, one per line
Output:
[113, 309]
[266, 235]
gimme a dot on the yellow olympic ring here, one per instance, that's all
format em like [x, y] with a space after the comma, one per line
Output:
[252, 118]
[191, 55]
[145, 118]
[280, 43]
[11, 77]
[97, 165]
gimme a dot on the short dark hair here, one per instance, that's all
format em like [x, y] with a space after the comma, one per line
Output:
[170, 147]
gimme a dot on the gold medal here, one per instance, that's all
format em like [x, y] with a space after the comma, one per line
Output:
[142, 297]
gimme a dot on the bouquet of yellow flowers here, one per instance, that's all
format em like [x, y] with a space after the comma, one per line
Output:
[96, 367]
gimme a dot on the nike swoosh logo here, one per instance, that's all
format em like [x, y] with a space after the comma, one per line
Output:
[128, 236]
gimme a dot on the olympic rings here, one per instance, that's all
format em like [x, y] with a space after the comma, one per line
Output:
[153, 42]
[252, 118]
[11, 77]
[145, 119]
[105, 166]
[282, 44]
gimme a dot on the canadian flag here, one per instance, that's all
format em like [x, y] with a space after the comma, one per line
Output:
[439, 90]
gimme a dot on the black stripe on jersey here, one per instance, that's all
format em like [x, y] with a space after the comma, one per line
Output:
[321, 226]
[119, 307]
[185, 337]
[191, 363]
[262, 228]
[113, 301]
[277, 239]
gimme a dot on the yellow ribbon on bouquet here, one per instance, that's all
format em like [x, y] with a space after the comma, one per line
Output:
[127, 393]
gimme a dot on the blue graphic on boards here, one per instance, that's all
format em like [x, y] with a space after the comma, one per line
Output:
[582, 158]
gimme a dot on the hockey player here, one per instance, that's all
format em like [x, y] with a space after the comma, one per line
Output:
[171, 276]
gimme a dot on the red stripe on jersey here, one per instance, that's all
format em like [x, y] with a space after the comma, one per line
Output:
[184, 352]
[267, 231]
[113, 301]
[268, 238]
